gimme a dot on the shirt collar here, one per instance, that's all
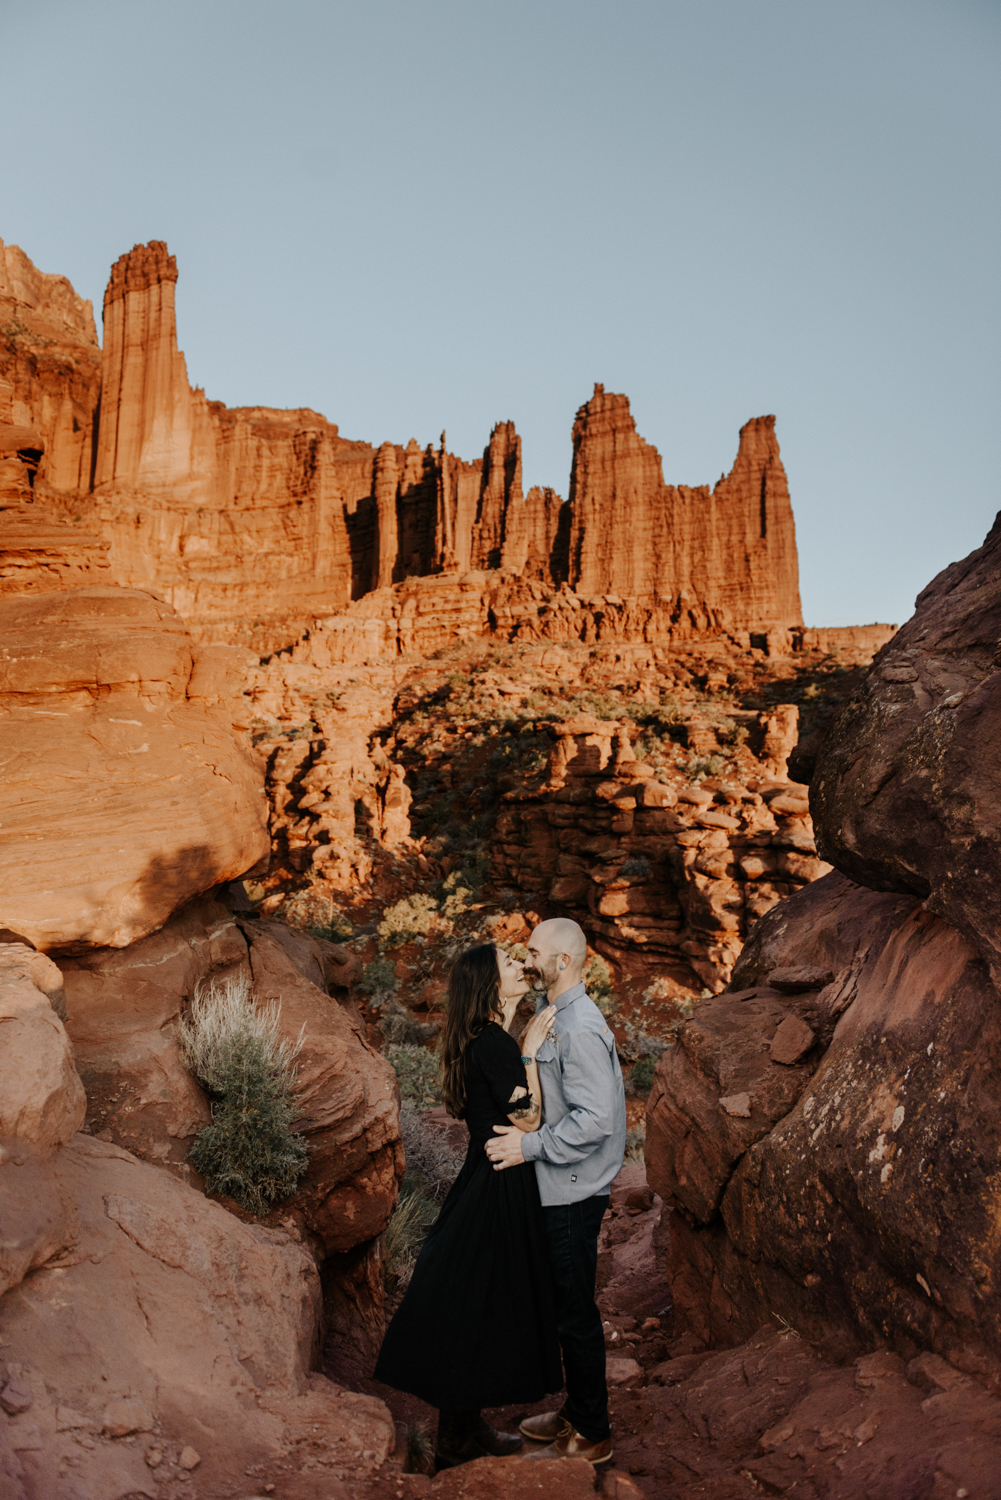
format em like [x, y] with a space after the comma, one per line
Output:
[575, 992]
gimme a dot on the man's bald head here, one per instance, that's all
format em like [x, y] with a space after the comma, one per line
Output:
[557, 952]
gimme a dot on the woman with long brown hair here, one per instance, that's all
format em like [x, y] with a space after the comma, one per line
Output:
[477, 1326]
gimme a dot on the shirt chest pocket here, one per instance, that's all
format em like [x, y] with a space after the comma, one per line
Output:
[546, 1053]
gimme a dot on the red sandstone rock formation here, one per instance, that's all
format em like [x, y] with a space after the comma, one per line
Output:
[778, 1206]
[661, 867]
[825, 1134]
[734, 547]
[122, 798]
[906, 790]
[252, 522]
[50, 369]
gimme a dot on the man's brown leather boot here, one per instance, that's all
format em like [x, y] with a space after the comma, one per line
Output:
[573, 1445]
[546, 1427]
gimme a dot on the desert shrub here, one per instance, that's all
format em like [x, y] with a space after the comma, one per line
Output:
[632, 1043]
[701, 766]
[418, 1450]
[250, 1151]
[418, 1073]
[412, 917]
[398, 1024]
[379, 980]
[432, 1164]
[432, 1167]
[412, 1218]
[732, 734]
[598, 983]
[315, 911]
[635, 1144]
[641, 1075]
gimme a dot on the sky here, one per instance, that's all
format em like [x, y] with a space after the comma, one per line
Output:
[417, 215]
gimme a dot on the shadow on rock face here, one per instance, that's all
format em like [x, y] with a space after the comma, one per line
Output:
[857, 1199]
[906, 795]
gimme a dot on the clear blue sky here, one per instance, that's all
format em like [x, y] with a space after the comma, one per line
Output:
[412, 216]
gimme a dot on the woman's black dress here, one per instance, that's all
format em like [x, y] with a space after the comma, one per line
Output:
[477, 1325]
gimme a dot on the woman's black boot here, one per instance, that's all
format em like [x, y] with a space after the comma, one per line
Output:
[498, 1444]
[457, 1441]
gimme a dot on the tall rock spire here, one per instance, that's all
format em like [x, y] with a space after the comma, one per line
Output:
[632, 535]
[148, 416]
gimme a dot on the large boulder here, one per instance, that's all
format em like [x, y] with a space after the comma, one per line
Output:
[123, 1006]
[851, 1191]
[164, 1339]
[122, 797]
[907, 791]
[42, 1106]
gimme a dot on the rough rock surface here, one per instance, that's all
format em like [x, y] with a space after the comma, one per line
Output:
[857, 1200]
[50, 372]
[633, 535]
[907, 793]
[657, 864]
[771, 1415]
[253, 521]
[121, 798]
[41, 1098]
[163, 1336]
[123, 1005]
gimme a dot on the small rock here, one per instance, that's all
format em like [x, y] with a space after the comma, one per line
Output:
[15, 1397]
[792, 981]
[623, 1372]
[24, 1437]
[189, 1458]
[639, 1200]
[128, 1414]
[792, 1040]
[154, 1457]
[620, 1487]
[738, 1105]
[67, 1420]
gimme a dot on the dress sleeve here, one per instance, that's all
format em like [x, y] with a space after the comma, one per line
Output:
[503, 1069]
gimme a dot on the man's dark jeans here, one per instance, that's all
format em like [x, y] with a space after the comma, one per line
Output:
[573, 1249]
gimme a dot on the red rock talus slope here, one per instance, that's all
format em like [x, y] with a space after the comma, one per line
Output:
[908, 787]
[121, 797]
[669, 869]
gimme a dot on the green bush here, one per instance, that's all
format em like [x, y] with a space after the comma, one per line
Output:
[315, 912]
[234, 1048]
[598, 983]
[412, 917]
[379, 979]
[642, 1073]
[418, 1072]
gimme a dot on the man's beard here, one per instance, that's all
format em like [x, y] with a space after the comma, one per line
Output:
[544, 974]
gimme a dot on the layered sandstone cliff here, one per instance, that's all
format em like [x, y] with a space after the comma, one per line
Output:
[252, 522]
[633, 535]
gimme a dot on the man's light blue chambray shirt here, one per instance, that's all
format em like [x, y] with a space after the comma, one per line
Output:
[579, 1146]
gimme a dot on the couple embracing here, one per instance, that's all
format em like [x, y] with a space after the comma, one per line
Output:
[505, 1281]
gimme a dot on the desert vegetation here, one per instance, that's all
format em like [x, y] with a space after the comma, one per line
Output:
[234, 1047]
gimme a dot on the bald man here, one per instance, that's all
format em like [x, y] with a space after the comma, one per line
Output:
[577, 1151]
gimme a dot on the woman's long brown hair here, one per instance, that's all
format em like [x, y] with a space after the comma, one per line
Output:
[473, 1002]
